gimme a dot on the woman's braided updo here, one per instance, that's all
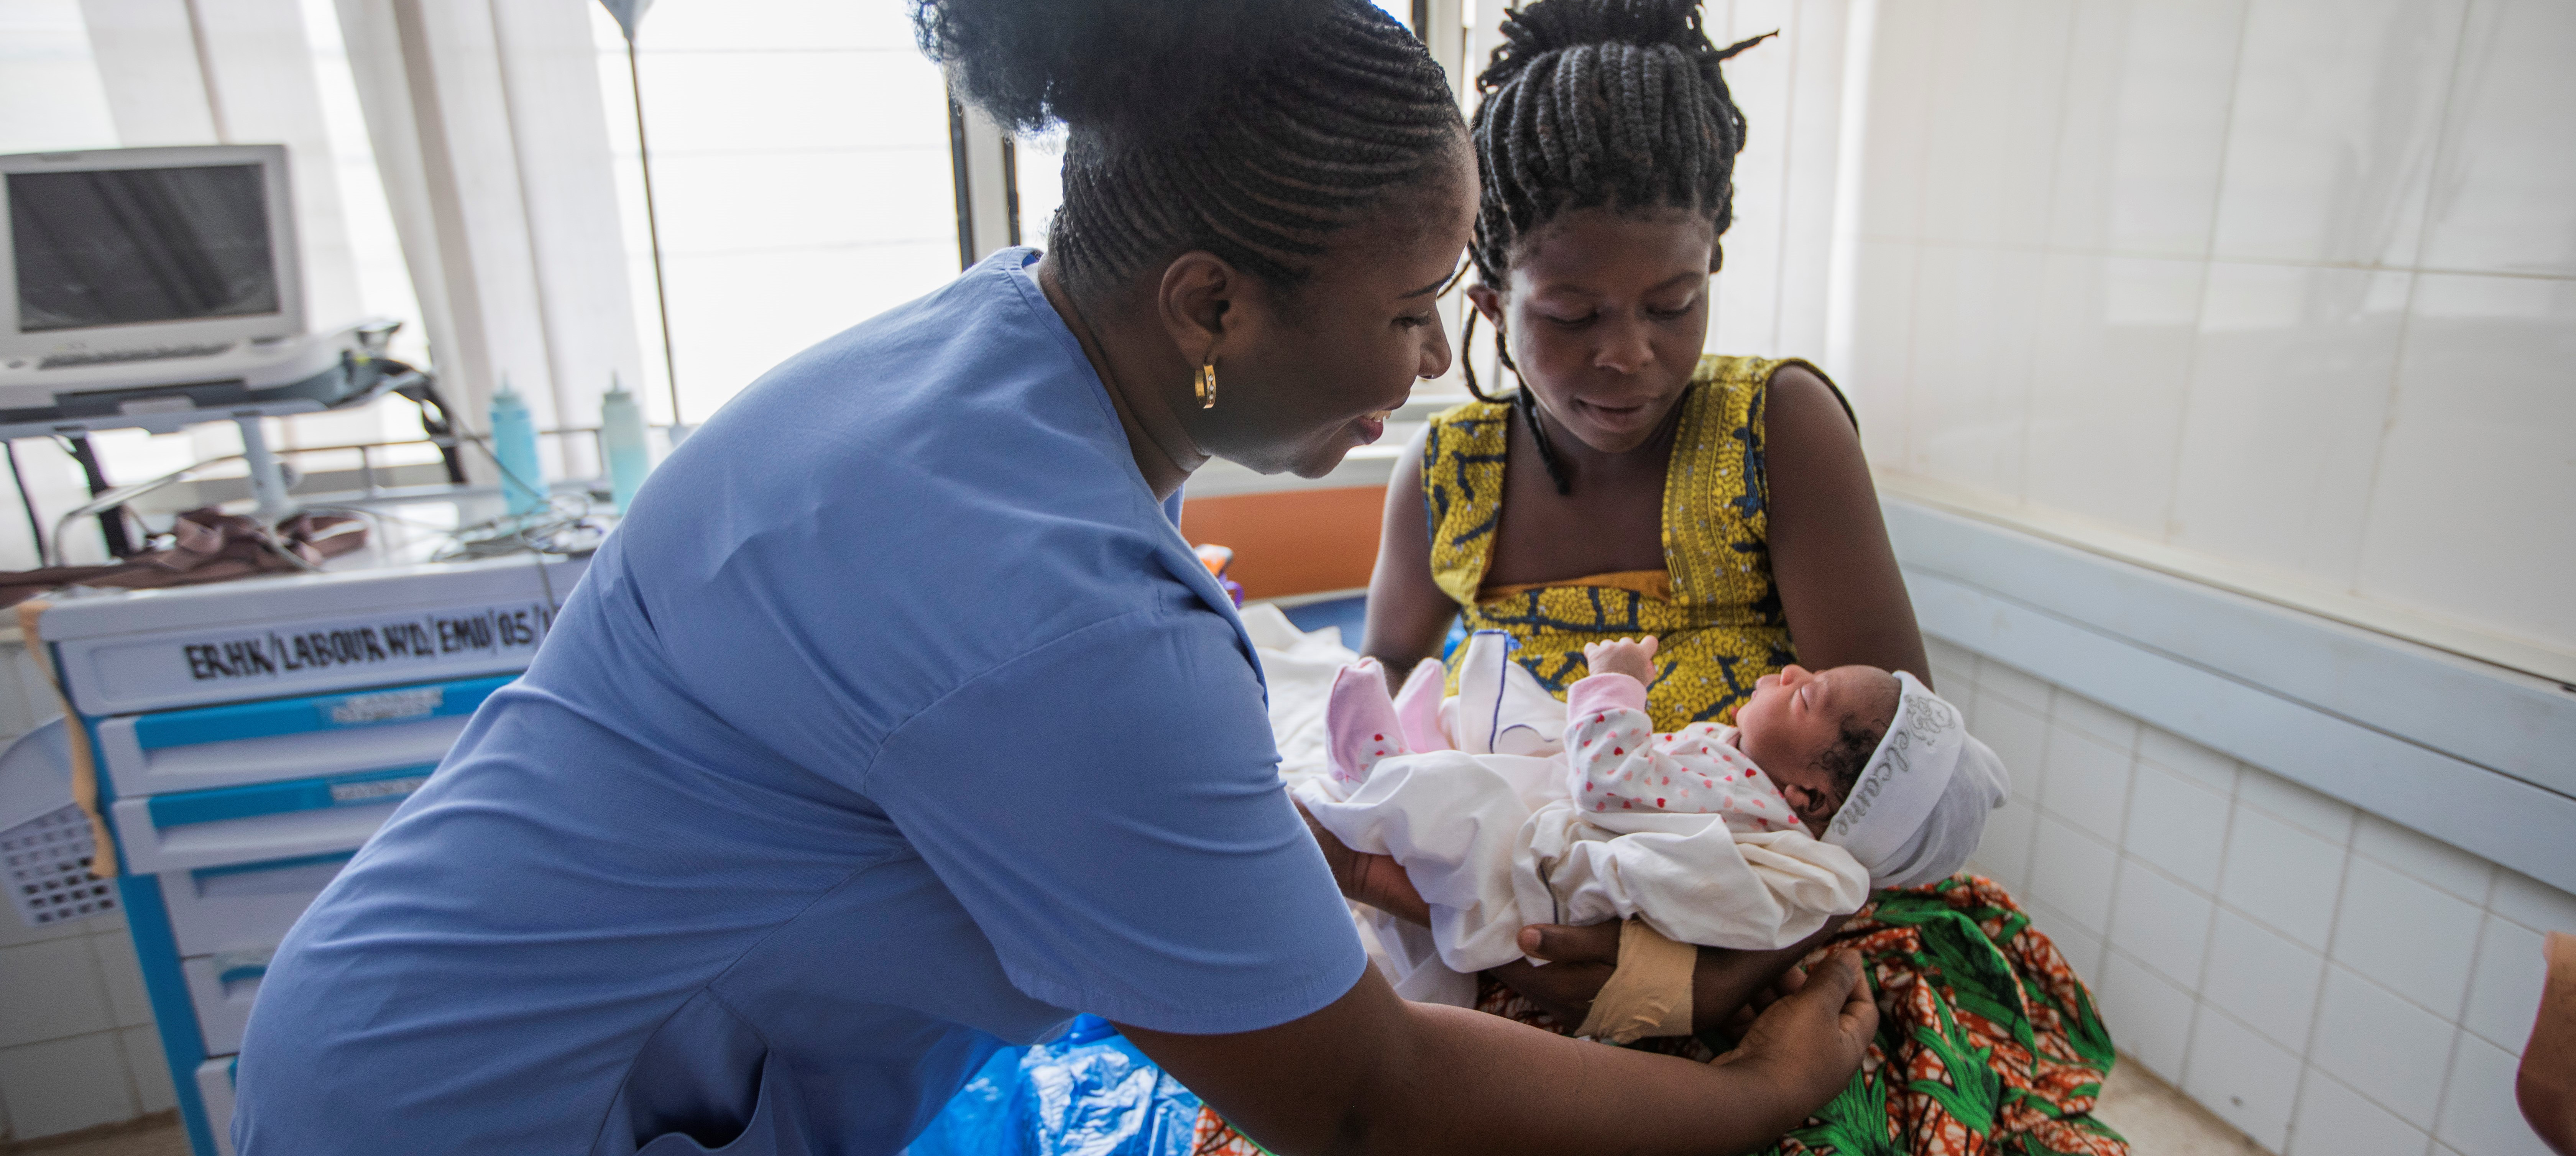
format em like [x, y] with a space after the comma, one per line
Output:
[1599, 103]
[1252, 129]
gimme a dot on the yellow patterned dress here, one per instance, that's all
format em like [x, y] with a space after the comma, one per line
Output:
[1713, 606]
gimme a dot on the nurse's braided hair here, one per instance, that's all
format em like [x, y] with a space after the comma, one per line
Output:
[1594, 103]
[1252, 129]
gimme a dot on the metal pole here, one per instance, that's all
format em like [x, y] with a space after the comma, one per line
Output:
[653, 229]
[267, 481]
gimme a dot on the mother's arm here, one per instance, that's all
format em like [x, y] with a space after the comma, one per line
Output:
[1408, 614]
[1837, 575]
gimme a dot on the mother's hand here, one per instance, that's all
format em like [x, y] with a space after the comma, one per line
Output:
[1579, 961]
[1727, 987]
[1376, 880]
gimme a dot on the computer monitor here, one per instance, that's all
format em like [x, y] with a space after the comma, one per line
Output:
[114, 254]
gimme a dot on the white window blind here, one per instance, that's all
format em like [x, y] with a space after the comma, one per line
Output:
[801, 173]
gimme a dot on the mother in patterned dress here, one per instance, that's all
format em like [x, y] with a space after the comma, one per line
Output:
[1630, 485]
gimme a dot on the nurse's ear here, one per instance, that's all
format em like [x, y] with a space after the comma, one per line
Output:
[1197, 304]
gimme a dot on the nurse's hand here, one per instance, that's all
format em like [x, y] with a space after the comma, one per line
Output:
[1813, 1040]
[1376, 880]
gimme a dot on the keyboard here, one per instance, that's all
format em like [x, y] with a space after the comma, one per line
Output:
[145, 353]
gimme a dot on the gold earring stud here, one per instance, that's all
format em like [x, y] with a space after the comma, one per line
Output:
[1206, 385]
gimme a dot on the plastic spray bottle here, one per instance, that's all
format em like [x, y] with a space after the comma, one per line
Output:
[621, 436]
[514, 448]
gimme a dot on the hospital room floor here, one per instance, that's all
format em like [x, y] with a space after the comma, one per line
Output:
[2158, 1121]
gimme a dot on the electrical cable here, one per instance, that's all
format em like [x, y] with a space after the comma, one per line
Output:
[111, 520]
[35, 524]
[565, 529]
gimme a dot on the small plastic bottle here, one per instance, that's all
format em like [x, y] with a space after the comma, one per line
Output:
[514, 447]
[621, 436]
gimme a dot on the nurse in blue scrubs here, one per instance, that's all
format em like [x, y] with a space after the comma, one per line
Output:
[898, 723]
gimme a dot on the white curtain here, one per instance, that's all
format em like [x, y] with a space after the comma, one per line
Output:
[489, 130]
[193, 72]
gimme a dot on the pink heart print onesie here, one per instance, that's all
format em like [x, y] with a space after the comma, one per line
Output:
[1617, 765]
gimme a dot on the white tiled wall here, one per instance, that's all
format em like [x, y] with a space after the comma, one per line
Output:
[2286, 283]
[2332, 983]
[77, 1048]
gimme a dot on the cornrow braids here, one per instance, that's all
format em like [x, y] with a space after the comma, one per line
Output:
[1602, 102]
[1522, 401]
[1253, 129]
[1592, 103]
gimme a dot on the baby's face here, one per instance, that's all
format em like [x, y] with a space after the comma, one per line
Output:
[1796, 718]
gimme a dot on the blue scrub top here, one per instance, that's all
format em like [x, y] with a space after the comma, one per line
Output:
[897, 722]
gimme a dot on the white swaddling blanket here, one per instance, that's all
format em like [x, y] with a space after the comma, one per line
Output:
[1298, 668]
[1683, 831]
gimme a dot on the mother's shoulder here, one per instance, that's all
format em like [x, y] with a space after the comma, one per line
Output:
[1470, 413]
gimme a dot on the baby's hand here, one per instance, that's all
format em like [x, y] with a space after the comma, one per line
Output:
[1621, 656]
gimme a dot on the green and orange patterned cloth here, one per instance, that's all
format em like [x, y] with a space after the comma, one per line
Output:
[1987, 1040]
[1988, 1044]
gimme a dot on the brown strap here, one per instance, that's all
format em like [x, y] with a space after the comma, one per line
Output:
[1650, 993]
[102, 861]
[206, 546]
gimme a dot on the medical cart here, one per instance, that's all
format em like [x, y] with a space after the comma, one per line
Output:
[250, 736]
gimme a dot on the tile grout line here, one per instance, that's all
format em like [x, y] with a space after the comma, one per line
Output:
[2052, 249]
[2119, 846]
[2461, 1033]
[2325, 982]
[2208, 261]
[2217, 902]
[116, 1025]
[1788, 165]
[2047, 215]
[2396, 388]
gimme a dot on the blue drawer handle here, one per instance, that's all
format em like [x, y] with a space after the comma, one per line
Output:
[290, 716]
[258, 799]
[205, 873]
[235, 966]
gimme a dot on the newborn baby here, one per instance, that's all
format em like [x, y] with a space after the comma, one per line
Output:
[1507, 808]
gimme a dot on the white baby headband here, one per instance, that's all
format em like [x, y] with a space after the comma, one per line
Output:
[1921, 802]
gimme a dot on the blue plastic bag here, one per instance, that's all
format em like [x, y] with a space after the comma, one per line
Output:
[1089, 1093]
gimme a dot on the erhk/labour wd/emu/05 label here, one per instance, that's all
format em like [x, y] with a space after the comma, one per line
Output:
[392, 641]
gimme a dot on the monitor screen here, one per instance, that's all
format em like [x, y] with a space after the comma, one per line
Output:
[123, 246]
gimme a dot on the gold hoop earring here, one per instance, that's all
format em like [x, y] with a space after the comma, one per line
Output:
[1205, 386]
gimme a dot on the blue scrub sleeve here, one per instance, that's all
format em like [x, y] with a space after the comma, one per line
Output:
[1108, 809]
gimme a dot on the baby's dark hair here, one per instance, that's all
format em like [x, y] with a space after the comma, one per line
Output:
[1252, 129]
[1593, 103]
[1861, 731]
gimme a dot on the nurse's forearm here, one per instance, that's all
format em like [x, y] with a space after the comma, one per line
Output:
[1372, 1073]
